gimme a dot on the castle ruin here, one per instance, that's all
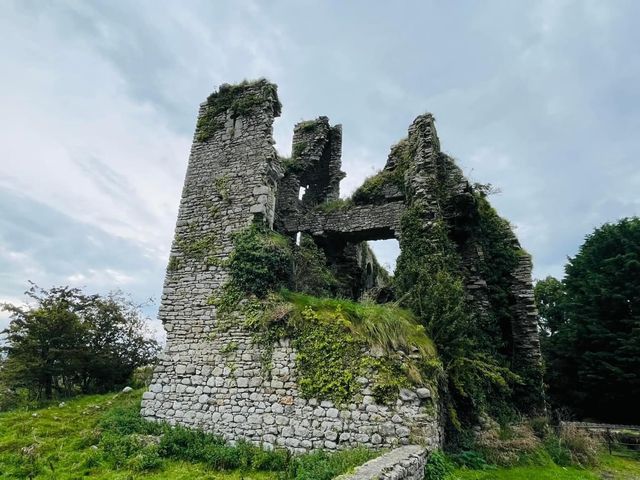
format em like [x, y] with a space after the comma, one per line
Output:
[235, 178]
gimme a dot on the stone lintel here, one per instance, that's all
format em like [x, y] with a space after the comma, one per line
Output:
[356, 224]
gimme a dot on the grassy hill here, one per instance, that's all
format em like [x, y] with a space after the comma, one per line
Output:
[103, 437]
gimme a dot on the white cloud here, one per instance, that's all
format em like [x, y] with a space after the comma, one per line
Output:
[99, 103]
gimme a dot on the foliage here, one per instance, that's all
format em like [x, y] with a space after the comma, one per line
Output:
[310, 273]
[593, 350]
[387, 327]
[324, 466]
[372, 190]
[261, 260]
[332, 337]
[509, 445]
[66, 341]
[337, 205]
[222, 187]
[570, 454]
[551, 303]
[142, 376]
[235, 100]
[194, 244]
[103, 437]
[475, 343]
[437, 467]
[478, 379]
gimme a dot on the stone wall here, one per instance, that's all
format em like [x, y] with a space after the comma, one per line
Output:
[222, 389]
[404, 463]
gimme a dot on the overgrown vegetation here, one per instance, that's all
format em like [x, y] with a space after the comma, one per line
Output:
[261, 260]
[531, 449]
[66, 342]
[104, 437]
[591, 326]
[333, 337]
[309, 271]
[236, 100]
[479, 376]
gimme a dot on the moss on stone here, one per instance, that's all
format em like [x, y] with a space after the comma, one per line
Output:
[197, 246]
[334, 339]
[237, 100]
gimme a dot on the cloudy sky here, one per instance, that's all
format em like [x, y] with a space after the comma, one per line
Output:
[99, 99]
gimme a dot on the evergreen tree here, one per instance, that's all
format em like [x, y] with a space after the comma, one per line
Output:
[593, 349]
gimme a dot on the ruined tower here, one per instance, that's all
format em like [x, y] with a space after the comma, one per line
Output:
[210, 375]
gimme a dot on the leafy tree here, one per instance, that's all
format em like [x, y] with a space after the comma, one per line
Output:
[593, 351]
[551, 302]
[67, 341]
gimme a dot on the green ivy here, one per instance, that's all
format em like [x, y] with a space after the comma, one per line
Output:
[261, 260]
[333, 340]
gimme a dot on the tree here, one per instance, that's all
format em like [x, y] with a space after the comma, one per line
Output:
[551, 302]
[593, 355]
[67, 341]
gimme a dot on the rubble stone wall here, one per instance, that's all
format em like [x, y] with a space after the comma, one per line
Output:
[404, 463]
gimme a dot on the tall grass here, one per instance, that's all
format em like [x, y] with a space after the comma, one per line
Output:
[386, 326]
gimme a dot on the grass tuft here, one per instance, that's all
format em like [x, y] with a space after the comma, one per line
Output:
[387, 326]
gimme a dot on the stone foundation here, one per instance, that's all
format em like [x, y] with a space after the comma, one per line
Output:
[218, 386]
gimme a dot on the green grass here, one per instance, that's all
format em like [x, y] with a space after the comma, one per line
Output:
[611, 467]
[386, 326]
[103, 437]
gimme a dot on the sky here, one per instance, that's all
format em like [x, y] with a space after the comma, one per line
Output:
[99, 102]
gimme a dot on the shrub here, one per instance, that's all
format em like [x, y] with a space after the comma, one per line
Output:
[117, 449]
[582, 446]
[141, 376]
[261, 260]
[186, 444]
[310, 273]
[437, 466]
[146, 459]
[372, 190]
[509, 445]
[470, 459]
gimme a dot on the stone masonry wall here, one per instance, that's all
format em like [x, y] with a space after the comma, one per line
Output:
[210, 375]
[404, 463]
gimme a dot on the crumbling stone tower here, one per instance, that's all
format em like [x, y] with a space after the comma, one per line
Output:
[210, 375]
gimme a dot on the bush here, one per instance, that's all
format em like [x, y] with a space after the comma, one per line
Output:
[582, 446]
[185, 444]
[117, 449]
[470, 459]
[509, 445]
[437, 466]
[261, 261]
[146, 459]
[141, 376]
